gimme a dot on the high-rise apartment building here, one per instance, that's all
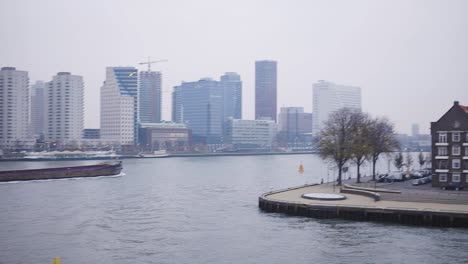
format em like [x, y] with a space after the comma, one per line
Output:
[119, 106]
[14, 107]
[265, 89]
[232, 88]
[200, 106]
[328, 97]
[37, 113]
[64, 108]
[150, 97]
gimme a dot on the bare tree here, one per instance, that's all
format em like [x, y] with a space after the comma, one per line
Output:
[409, 161]
[361, 146]
[421, 160]
[382, 140]
[398, 161]
[336, 138]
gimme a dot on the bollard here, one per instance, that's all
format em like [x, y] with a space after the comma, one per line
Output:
[56, 260]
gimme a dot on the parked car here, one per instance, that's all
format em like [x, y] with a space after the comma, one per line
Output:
[417, 174]
[453, 186]
[418, 182]
[426, 172]
[393, 177]
[421, 181]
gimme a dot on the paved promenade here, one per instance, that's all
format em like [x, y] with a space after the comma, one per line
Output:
[404, 201]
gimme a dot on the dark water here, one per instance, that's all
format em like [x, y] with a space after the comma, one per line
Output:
[197, 210]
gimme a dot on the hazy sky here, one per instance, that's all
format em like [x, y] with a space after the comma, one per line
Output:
[409, 57]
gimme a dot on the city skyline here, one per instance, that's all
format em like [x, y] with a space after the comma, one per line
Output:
[400, 53]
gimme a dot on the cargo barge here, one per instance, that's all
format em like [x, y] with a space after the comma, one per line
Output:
[101, 169]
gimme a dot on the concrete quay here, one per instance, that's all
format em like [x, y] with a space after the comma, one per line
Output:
[369, 205]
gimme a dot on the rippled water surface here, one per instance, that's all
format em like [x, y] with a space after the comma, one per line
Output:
[197, 210]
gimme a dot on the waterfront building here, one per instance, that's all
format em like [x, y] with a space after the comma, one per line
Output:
[14, 108]
[250, 134]
[421, 142]
[150, 97]
[293, 122]
[119, 106]
[165, 135]
[450, 148]
[91, 133]
[64, 108]
[232, 88]
[265, 90]
[37, 113]
[294, 128]
[414, 130]
[199, 105]
[328, 97]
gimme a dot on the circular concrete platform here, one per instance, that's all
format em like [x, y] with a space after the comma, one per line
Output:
[324, 196]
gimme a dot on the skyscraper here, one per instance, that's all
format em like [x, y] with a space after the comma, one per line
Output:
[119, 106]
[150, 97]
[232, 88]
[328, 97]
[265, 89]
[64, 108]
[200, 106]
[14, 107]
[37, 114]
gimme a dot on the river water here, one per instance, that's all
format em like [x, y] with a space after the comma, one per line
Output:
[198, 210]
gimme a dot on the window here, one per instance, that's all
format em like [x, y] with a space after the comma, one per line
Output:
[442, 151]
[455, 150]
[456, 136]
[443, 177]
[455, 164]
[456, 177]
[442, 137]
[443, 164]
[466, 151]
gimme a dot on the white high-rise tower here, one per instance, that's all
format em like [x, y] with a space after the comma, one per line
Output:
[64, 108]
[37, 113]
[328, 97]
[119, 106]
[14, 107]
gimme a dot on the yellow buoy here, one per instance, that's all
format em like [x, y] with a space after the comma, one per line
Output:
[56, 260]
[301, 169]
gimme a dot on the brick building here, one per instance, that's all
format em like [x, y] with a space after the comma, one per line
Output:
[450, 148]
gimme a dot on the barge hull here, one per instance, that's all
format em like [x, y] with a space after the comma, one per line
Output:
[61, 173]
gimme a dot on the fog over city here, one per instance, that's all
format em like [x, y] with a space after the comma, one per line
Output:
[409, 57]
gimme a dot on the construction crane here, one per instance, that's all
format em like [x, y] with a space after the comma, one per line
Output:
[149, 62]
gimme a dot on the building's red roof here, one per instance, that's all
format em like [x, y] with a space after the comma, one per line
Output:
[465, 108]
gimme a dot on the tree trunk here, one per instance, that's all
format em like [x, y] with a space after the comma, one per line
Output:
[339, 175]
[358, 173]
[374, 161]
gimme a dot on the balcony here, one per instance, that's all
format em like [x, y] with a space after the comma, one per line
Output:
[441, 144]
[465, 144]
[441, 170]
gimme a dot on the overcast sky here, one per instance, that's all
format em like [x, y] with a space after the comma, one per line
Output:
[409, 57]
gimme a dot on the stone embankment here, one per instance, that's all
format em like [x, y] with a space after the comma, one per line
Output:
[367, 204]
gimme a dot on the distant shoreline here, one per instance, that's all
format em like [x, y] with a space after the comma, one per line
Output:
[177, 155]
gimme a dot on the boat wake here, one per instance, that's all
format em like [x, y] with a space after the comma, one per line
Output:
[68, 179]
